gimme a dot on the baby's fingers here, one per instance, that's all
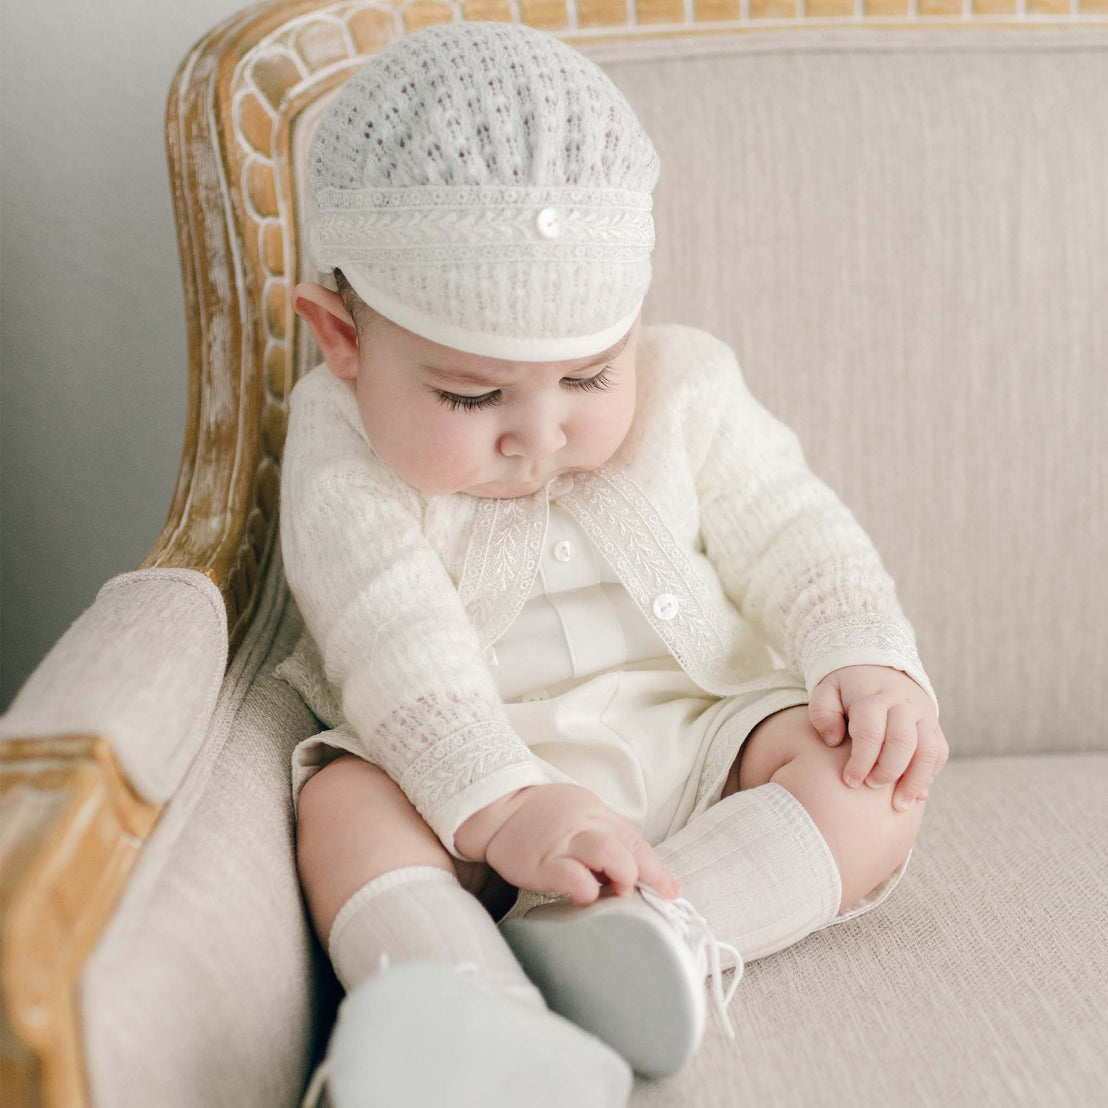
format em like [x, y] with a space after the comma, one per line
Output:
[568, 877]
[868, 717]
[604, 853]
[653, 873]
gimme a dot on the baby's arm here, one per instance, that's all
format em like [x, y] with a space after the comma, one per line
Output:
[394, 638]
[800, 567]
[789, 554]
[557, 838]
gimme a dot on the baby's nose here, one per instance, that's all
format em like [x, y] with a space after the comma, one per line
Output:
[535, 438]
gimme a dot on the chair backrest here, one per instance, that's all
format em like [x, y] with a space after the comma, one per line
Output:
[899, 226]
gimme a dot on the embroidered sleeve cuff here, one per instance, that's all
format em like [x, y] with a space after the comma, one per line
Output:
[865, 642]
[863, 656]
[446, 821]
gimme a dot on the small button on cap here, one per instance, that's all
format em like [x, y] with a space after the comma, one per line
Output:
[548, 223]
[666, 605]
[563, 551]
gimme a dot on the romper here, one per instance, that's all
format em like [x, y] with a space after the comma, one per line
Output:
[592, 690]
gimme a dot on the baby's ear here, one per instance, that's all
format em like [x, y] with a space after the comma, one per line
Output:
[334, 330]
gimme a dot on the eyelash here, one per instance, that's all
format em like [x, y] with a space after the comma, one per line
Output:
[598, 382]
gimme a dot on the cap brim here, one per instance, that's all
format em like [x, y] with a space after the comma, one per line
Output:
[491, 346]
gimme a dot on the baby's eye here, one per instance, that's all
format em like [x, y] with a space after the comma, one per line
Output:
[453, 401]
[601, 380]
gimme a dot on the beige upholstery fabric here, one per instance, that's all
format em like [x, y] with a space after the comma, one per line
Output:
[981, 980]
[142, 666]
[902, 235]
[208, 986]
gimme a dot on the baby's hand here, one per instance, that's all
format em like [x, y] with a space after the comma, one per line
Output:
[563, 838]
[892, 722]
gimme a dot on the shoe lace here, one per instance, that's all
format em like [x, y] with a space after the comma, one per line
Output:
[694, 929]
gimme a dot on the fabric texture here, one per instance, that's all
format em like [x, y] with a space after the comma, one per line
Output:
[207, 986]
[421, 913]
[503, 208]
[901, 235]
[756, 867]
[744, 562]
[142, 666]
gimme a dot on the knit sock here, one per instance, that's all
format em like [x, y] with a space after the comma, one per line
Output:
[422, 913]
[757, 868]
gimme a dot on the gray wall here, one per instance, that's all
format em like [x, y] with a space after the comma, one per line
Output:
[93, 353]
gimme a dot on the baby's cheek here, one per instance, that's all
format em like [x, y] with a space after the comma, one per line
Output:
[443, 453]
[599, 430]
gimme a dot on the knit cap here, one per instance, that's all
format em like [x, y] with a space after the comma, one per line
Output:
[488, 187]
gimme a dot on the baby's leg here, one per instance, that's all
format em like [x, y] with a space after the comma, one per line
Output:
[867, 836]
[369, 863]
[378, 882]
[788, 846]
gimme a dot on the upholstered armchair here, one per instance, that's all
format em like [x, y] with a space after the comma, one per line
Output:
[897, 215]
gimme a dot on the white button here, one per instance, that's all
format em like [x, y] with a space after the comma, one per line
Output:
[561, 485]
[666, 605]
[491, 658]
[563, 551]
[548, 223]
[538, 694]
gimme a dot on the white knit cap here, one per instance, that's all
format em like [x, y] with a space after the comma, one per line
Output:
[488, 187]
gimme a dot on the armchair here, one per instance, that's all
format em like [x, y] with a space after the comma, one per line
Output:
[898, 219]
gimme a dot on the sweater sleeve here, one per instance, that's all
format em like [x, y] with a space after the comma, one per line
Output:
[788, 552]
[393, 635]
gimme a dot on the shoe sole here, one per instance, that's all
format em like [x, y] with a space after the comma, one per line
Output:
[418, 1035]
[618, 975]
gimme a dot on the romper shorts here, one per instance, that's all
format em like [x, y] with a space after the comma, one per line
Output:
[653, 745]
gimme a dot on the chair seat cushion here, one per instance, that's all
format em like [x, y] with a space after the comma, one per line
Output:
[982, 979]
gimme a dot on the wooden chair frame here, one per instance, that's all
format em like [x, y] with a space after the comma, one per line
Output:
[72, 827]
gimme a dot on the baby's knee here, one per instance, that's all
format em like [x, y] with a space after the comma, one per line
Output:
[354, 824]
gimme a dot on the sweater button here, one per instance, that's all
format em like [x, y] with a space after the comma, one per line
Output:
[666, 605]
[560, 485]
[563, 551]
[538, 694]
[548, 224]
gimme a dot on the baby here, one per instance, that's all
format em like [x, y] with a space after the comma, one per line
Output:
[604, 664]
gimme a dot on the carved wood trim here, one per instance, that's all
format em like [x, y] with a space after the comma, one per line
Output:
[71, 829]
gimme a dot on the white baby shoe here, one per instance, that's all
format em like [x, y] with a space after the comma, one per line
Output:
[630, 970]
[430, 1035]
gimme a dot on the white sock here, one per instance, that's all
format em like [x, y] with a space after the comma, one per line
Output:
[422, 913]
[757, 868]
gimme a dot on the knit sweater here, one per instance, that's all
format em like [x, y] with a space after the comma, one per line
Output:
[744, 562]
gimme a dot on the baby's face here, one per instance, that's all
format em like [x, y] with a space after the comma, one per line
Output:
[502, 431]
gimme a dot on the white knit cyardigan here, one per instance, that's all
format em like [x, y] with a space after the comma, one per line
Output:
[708, 503]
[487, 186]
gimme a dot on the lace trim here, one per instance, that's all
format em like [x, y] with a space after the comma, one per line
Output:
[867, 630]
[434, 224]
[619, 518]
[438, 746]
[303, 670]
[501, 562]
[490, 197]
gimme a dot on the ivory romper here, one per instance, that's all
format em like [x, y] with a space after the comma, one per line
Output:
[593, 691]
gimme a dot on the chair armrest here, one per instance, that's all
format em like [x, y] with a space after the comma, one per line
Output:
[142, 666]
[71, 829]
[94, 744]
